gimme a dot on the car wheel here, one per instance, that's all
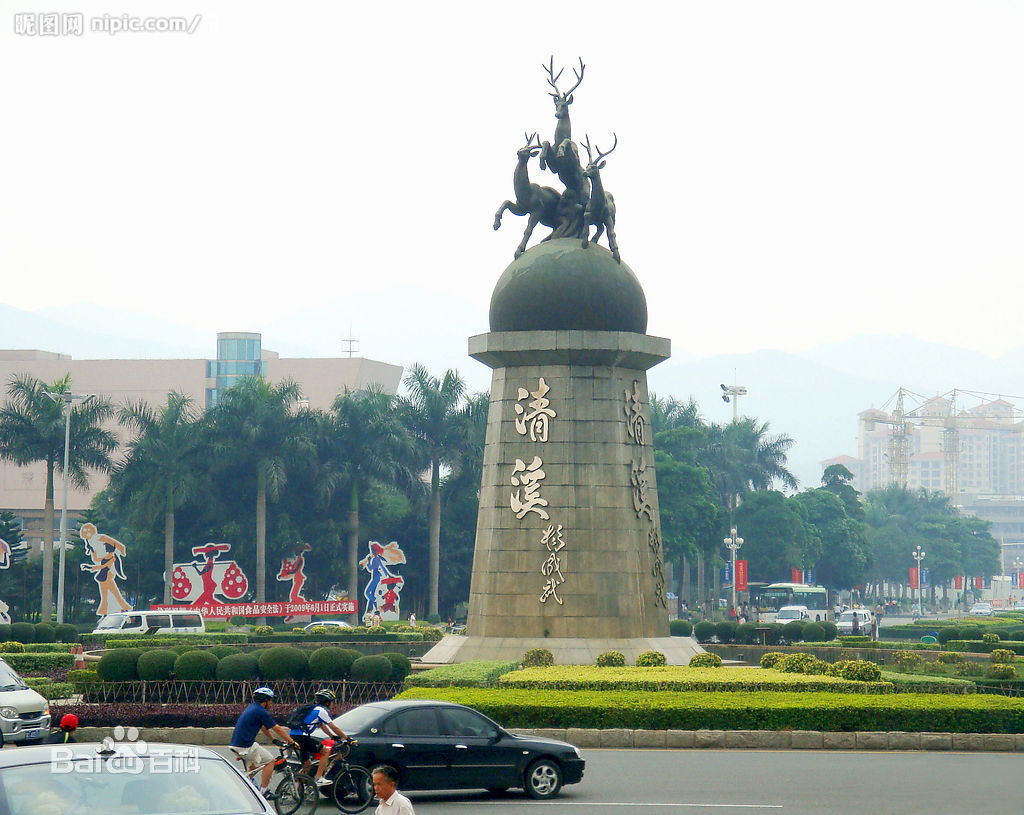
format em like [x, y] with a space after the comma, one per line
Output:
[543, 779]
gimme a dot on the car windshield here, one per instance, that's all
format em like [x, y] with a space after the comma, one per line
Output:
[356, 719]
[168, 784]
[111, 621]
[789, 613]
[9, 679]
[847, 616]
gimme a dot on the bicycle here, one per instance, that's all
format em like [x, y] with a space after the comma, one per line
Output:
[352, 787]
[294, 791]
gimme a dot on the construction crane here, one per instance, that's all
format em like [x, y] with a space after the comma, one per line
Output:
[902, 422]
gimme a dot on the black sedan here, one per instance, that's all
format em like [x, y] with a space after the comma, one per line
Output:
[443, 746]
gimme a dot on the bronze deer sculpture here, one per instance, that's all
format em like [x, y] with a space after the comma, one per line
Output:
[563, 126]
[600, 209]
[540, 203]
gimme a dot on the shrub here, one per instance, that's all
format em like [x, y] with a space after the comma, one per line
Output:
[650, 659]
[769, 659]
[401, 666]
[774, 634]
[11, 647]
[371, 669]
[45, 632]
[950, 658]
[5, 632]
[23, 632]
[237, 667]
[706, 661]
[611, 659]
[332, 662]
[1003, 656]
[183, 648]
[725, 631]
[221, 651]
[858, 670]
[970, 632]
[538, 658]
[319, 630]
[991, 638]
[263, 630]
[156, 664]
[80, 678]
[429, 633]
[194, 665]
[1001, 633]
[433, 619]
[947, 633]
[793, 630]
[236, 620]
[680, 628]
[1001, 671]
[813, 632]
[794, 663]
[704, 631]
[854, 639]
[119, 665]
[283, 662]
[906, 660]
[831, 632]
[746, 633]
[476, 674]
[966, 669]
[65, 632]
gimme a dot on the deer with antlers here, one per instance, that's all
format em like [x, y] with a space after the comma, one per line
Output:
[553, 154]
[600, 210]
[540, 203]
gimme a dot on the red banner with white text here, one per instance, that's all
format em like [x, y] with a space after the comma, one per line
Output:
[958, 581]
[913, 577]
[225, 610]
[741, 575]
[979, 582]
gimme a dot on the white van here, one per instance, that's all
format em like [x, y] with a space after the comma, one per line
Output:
[788, 614]
[24, 714]
[845, 622]
[152, 622]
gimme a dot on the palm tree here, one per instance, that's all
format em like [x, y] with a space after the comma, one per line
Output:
[361, 441]
[256, 425]
[159, 471]
[32, 430]
[743, 457]
[436, 419]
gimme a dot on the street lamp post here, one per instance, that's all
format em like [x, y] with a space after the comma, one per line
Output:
[918, 555]
[66, 399]
[733, 543]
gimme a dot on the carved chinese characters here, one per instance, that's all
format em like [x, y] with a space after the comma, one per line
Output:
[527, 499]
[537, 421]
[553, 541]
[636, 434]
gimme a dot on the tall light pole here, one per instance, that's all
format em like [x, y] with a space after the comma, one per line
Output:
[66, 399]
[734, 391]
[733, 543]
[918, 555]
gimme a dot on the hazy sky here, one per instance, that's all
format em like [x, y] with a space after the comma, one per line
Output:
[788, 173]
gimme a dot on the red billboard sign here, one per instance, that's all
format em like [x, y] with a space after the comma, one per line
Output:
[958, 581]
[979, 582]
[797, 575]
[225, 610]
[913, 577]
[741, 575]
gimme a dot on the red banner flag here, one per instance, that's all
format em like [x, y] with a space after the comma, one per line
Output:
[958, 581]
[225, 610]
[741, 575]
[979, 582]
[796, 575]
[1020, 580]
[913, 577]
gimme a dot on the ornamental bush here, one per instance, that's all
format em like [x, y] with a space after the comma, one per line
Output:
[991, 638]
[704, 631]
[263, 630]
[858, 670]
[476, 674]
[156, 664]
[332, 662]
[906, 660]
[195, 665]
[746, 633]
[1002, 656]
[119, 665]
[680, 628]
[726, 631]
[769, 659]
[831, 632]
[795, 663]
[319, 630]
[284, 662]
[65, 632]
[237, 667]
[429, 633]
[650, 659]
[23, 632]
[401, 666]
[793, 630]
[967, 669]
[947, 633]
[970, 632]
[1002, 633]
[706, 660]
[11, 648]
[950, 658]
[45, 632]
[813, 632]
[221, 651]
[1001, 671]
[611, 659]
[371, 669]
[538, 658]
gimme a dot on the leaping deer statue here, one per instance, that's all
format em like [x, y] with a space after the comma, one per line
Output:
[540, 203]
[600, 209]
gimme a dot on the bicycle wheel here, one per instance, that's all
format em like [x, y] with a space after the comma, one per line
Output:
[295, 795]
[353, 790]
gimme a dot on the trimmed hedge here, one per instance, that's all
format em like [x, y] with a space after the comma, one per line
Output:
[704, 631]
[156, 664]
[371, 669]
[980, 647]
[23, 632]
[611, 659]
[333, 663]
[192, 640]
[705, 660]
[119, 665]
[65, 632]
[195, 665]
[905, 712]
[339, 635]
[49, 688]
[283, 663]
[650, 659]
[401, 666]
[479, 674]
[680, 628]
[238, 667]
[29, 663]
[45, 632]
[538, 657]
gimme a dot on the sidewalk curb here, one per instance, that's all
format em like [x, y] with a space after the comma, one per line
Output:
[670, 739]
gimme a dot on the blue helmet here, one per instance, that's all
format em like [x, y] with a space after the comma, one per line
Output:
[263, 694]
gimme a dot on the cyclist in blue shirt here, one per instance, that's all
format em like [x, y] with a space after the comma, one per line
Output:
[243, 740]
[318, 717]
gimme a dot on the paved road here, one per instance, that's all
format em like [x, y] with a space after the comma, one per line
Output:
[792, 782]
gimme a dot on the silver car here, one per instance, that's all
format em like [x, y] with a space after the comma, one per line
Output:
[24, 714]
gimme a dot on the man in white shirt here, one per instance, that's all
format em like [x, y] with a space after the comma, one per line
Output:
[392, 802]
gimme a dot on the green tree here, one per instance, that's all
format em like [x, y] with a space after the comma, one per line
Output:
[776, 535]
[256, 426]
[32, 429]
[839, 481]
[160, 469]
[435, 416]
[845, 556]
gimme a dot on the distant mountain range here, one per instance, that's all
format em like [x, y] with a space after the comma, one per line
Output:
[813, 396]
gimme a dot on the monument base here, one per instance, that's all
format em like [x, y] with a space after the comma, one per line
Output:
[567, 650]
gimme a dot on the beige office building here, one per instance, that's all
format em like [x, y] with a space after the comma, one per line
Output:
[238, 355]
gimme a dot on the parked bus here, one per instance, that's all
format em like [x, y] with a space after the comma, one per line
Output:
[769, 599]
